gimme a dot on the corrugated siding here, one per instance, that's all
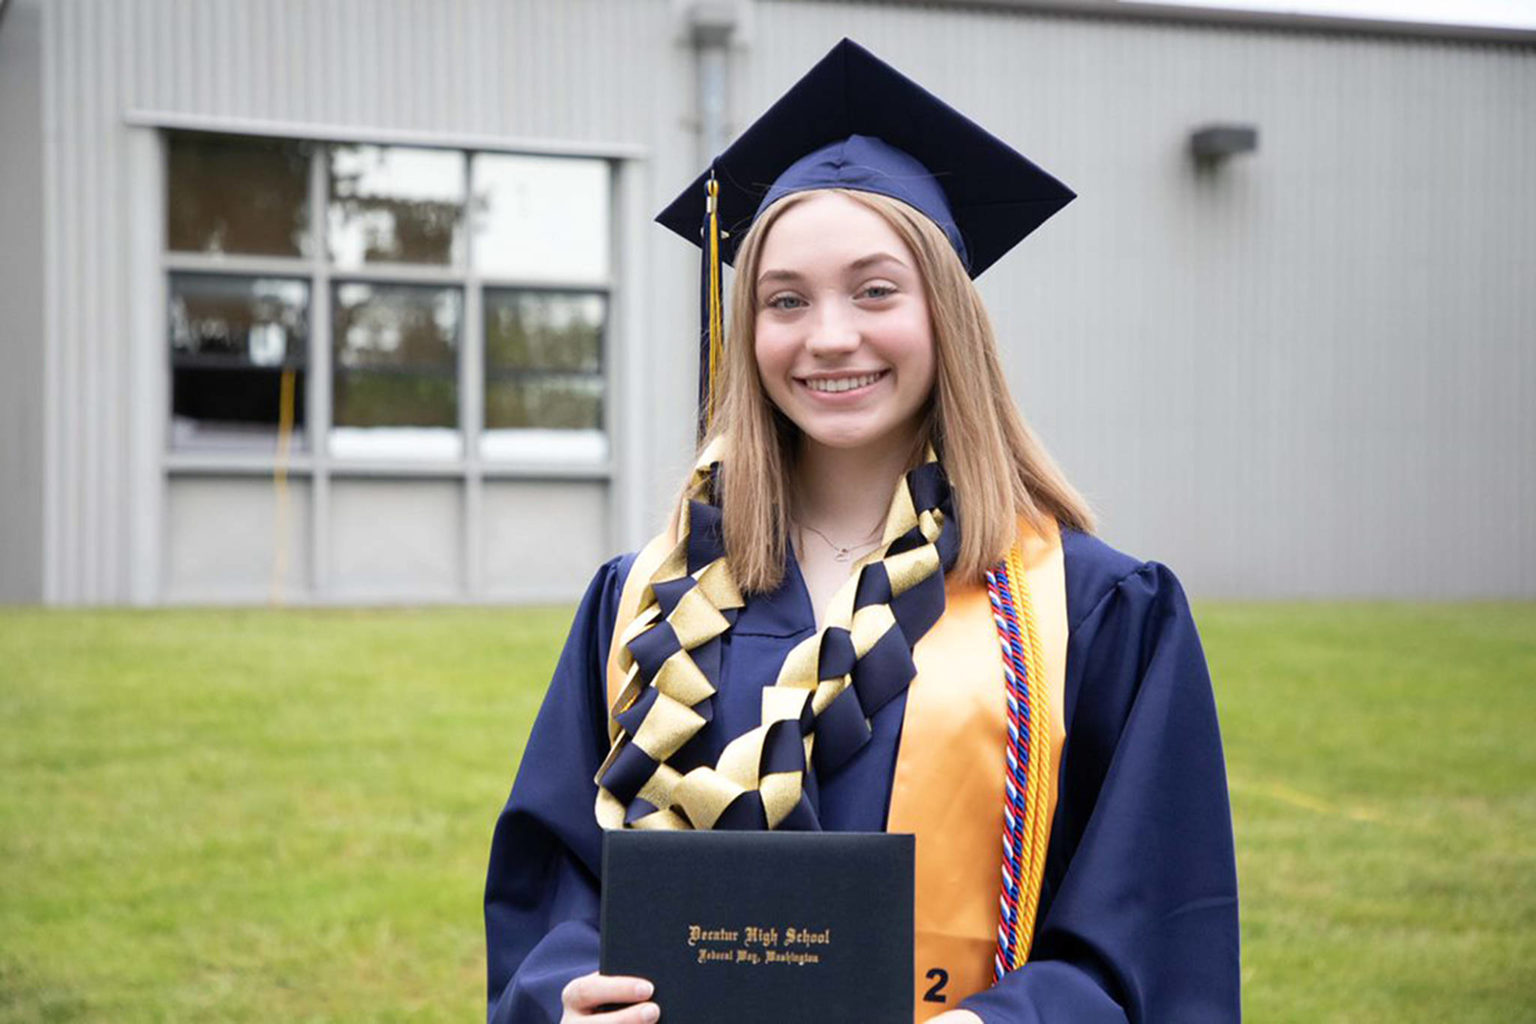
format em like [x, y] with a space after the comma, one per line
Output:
[1309, 373]
[1305, 374]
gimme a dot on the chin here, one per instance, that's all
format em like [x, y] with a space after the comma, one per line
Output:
[855, 440]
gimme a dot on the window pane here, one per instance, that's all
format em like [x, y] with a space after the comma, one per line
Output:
[543, 330]
[231, 338]
[390, 204]
[541, 218]
[396, 357]
[544, 360]
[237, 195]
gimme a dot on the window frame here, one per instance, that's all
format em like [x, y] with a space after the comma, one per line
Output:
[311, 455]
[158, 467]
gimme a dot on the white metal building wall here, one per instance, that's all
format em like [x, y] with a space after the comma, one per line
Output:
[574, 71]
[1305, 374]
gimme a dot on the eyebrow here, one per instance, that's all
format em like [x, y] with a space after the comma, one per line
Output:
[862, 263]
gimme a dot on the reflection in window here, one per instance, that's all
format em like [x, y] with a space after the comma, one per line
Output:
[237, 195]
[541, 218]
[390, 204]
[544, 382]
[395, 370]
[231, 340]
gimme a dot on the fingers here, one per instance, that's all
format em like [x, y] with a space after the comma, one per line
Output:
[640, 1013]
[583, 996]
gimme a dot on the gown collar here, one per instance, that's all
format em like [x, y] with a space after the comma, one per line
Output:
[785, 612]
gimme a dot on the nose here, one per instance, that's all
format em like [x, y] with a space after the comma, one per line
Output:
[833, 331]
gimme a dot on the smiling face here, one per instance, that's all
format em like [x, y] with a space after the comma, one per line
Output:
[844, 342]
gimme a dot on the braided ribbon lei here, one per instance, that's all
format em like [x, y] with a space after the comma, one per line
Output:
[817, 713]
[1025, 828]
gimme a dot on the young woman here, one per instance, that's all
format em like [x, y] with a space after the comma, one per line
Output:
[1009, 689]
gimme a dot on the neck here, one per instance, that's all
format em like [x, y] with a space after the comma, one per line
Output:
[845, 492]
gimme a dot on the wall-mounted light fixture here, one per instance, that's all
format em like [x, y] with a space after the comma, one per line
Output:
[1216, 142]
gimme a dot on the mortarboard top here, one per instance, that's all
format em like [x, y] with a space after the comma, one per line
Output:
[853, 121]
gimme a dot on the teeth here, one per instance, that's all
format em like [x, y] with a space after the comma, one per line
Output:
[843, 383]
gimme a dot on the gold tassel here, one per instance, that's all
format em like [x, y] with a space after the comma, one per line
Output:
[716, 308]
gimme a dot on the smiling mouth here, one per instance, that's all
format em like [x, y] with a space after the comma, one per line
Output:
[835, 385]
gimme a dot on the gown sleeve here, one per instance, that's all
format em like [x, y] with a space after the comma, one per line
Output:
[1139, 907]
[541, 889]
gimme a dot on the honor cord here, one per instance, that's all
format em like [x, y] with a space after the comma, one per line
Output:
[1026, 827]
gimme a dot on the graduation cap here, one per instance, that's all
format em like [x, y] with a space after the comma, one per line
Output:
[855, 122]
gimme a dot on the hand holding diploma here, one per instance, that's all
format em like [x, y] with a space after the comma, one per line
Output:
[585, 999]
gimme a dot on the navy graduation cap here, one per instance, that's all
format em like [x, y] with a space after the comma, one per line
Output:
[855, 122]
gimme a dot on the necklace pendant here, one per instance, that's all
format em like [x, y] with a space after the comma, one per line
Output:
[843, 555]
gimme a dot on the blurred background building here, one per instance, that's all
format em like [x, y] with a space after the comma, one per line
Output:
[351, 302]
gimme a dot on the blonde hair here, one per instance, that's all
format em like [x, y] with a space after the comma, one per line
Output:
[998, 470]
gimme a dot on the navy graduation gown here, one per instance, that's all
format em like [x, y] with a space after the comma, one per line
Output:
[1138, 909]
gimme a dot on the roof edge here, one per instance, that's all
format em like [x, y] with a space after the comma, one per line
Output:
[1134, 10]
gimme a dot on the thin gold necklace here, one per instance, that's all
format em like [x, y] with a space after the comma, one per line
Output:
[841, 553]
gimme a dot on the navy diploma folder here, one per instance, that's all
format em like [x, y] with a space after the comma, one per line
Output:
[762, 927]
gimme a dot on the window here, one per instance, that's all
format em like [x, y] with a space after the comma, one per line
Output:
[237, 195]
[411, 253]
[562, 202]
[543, 375]
[388, 204]
[544, 354]
[394, 374]
[233, 341]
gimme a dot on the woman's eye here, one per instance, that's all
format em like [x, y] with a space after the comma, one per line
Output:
[785, 302]
[879, 291]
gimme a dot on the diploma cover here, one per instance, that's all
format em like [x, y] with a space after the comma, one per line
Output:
[762, 927]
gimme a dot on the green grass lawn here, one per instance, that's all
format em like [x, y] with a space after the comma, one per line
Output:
[284, 815]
